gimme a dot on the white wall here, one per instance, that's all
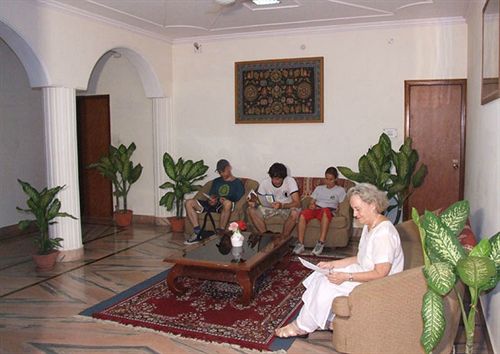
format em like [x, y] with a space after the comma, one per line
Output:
[364, 72]
[131, 121]
[21, 136]
[482, 163]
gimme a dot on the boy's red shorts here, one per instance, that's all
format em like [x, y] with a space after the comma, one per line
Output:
[310, 214]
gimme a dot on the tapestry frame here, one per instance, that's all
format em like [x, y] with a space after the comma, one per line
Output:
[279, 110]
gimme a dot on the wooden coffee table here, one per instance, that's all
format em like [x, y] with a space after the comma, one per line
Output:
[214, 259]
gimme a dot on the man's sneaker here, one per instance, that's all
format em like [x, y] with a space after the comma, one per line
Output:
[194, 238]
[318, 249]
[299, 248]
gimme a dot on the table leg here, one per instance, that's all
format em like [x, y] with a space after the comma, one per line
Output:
[247, 284]
[172, 282]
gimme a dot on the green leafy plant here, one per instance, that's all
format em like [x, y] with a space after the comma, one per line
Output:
[120, 170]
[446, 262]
[183, 174]
[392, 171]
[45, 207]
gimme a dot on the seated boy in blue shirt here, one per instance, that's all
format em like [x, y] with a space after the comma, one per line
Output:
[226, 190]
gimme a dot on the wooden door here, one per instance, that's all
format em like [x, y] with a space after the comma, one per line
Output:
[94, 138]
[435, 120]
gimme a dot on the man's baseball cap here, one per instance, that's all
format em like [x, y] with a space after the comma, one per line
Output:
[221, 165]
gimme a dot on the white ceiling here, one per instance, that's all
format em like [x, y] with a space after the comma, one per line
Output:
[178, 19]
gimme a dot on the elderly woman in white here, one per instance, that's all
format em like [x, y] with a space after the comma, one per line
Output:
[380, 254]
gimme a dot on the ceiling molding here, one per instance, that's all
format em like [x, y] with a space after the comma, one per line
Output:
[324, 29]
[68, 9]
[65, 8]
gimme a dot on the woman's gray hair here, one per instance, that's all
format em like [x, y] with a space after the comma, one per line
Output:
[370, 194]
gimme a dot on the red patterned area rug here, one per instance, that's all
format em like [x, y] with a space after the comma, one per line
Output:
[209, 309]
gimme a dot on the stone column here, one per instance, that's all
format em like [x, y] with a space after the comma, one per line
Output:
[162, 142]
[61, 153]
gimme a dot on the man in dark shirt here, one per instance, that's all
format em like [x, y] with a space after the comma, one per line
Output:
[226, 190]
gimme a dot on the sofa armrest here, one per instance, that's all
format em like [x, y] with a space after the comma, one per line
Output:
[340, 306]
[205, 189]
[344, 210]
[240, 205]
[304, 203]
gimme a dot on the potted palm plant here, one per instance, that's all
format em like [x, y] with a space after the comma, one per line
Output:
[120, 170]
[392, 171]
[447, 263]
[183, 175]
[45, 207]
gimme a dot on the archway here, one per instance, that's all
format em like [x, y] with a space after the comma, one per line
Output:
[139, 111]
[36, 71]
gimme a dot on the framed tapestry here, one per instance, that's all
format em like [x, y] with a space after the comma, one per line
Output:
[279, 91]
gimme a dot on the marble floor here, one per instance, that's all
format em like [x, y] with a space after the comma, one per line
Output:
[39, 311]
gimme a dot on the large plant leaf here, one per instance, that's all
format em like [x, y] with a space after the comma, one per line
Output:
[440, 242]
[495, 252]
[482, 249]
[168, 200]
[455, 216]
[440, 277]
[169, 166]
[186, 168]
[434, 320]
[24, 224]
[167, 185]
[476, 271]
[135, 174]
[385, 142]
[365, 167]
[419, 176]
[350, 174]
[31, 192]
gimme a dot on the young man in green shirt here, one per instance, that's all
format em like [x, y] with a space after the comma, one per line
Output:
[226, 190]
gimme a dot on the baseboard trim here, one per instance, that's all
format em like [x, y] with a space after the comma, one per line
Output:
[70, 255]
[11, 231]
[150, 220]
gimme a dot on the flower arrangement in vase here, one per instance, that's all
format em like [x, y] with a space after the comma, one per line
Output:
[236, 227]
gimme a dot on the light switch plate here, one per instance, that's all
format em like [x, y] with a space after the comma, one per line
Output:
[391, 132]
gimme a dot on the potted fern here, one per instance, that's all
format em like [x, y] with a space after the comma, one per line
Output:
[118, 167]
[45, 207]
[392, 171]
[446, 263]
[183, 175]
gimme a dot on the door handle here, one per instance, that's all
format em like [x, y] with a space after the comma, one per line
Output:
[455, 164]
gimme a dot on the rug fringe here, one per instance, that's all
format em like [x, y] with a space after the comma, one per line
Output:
[177, 336]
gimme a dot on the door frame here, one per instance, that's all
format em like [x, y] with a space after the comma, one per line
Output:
[463, 120]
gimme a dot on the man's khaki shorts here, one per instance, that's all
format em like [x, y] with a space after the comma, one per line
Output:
[270, 212]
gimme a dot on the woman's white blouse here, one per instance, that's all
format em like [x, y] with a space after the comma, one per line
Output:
[380, 245]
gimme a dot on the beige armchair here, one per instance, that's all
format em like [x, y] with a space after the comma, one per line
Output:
[384, 316]
[239, 208]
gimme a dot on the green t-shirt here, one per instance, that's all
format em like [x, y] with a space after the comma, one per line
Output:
[232, 190]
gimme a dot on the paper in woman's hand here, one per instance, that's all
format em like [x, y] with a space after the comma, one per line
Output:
[314, 267]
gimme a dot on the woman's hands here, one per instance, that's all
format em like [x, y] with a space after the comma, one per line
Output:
[334, 277]
[338, 278]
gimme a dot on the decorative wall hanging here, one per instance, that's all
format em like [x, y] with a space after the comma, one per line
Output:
[279, 91]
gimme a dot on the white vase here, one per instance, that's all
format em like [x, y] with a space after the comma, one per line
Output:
[237, 239]
[237, 252]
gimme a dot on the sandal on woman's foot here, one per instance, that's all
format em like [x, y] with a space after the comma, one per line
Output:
[291, 330]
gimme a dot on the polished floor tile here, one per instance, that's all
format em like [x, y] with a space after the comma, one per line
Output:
[39, 311]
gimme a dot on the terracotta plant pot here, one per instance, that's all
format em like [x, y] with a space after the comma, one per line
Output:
[176, 224]
[123, 218]
[45, 262]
